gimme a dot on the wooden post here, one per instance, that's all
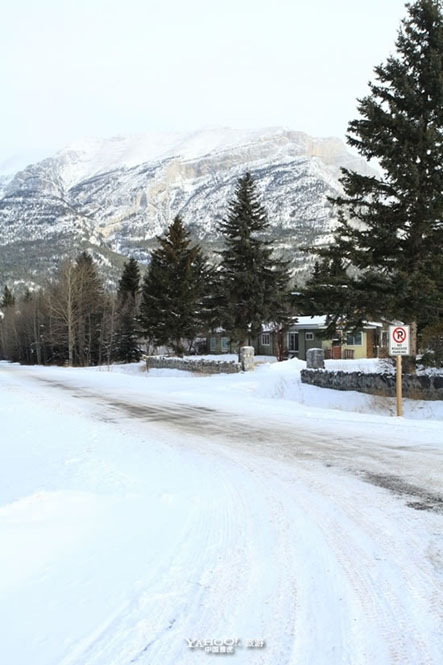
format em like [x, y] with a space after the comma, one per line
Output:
[399, 387]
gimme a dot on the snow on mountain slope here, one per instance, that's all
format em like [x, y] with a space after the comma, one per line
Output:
[115, 195]
[90, 157]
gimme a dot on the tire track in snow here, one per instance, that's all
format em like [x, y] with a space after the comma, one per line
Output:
[341, 589]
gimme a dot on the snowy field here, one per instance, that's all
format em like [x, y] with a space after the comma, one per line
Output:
[142, 514]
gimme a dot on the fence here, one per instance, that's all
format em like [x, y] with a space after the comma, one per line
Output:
[425, 386]
[203, 366]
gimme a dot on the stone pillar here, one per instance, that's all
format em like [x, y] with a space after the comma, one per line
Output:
[315, 359]
[247, 358]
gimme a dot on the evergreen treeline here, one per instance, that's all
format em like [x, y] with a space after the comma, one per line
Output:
[76, 321]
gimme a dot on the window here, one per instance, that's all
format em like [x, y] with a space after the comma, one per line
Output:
[293, 342]
[224, 344]
[266, 339]
[309, 336]
[354, 340]
[213, 344]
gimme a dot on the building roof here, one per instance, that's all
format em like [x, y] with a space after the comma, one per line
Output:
[310, 322]
[319, 323]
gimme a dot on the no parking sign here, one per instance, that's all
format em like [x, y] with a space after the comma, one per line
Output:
[399, 337]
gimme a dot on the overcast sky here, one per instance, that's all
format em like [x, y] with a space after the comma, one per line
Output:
[74, 68]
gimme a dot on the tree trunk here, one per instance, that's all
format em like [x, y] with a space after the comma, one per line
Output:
[414, 341]
[413, 347]
[280, 345]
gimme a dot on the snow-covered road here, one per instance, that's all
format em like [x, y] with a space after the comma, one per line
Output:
[134, 520]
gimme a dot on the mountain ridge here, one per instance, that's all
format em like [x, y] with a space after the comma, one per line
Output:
[114, 196]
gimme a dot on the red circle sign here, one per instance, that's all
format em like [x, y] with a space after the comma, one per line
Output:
[399, 335]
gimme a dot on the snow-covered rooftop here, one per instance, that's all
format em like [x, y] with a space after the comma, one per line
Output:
[310, 322]
[320, 322]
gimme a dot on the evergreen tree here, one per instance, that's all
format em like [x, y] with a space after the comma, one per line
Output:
[253, 283]
[8, 298]
[129, 284]
[326, 285]
[390, 228]
[208, 294]
[173, 289]
[8, 326]
[90, 297]
[127, 332]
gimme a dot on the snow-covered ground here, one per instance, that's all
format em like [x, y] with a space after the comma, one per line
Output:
[282, 381]
[140, 513]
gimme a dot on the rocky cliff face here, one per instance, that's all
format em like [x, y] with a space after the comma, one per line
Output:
[113, 197]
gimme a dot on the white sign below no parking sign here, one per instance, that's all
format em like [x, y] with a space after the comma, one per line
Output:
[399, 337]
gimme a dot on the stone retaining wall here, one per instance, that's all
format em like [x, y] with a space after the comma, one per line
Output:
[191, 365]
[414, 386]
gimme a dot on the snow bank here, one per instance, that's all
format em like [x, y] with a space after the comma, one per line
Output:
[281, 381]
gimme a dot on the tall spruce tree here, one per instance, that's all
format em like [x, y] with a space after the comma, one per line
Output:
[253, 283]
[390, 228]
[90, 310]
[8, 326]
[173, 289]
[127, 330]
[325, 289]
[129, 283]
[8, 299]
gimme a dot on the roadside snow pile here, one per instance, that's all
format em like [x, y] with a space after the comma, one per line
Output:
[269, 380]
[135, 369]
[366, 365]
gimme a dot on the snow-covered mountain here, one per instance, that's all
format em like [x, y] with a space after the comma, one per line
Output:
[113, 196]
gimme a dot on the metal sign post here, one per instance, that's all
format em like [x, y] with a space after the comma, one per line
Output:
[399, 387]
[399, 346]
